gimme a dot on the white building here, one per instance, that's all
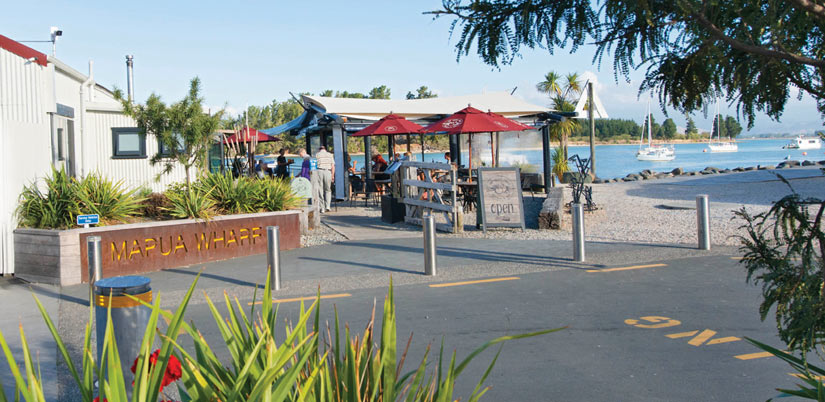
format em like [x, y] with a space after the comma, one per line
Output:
[53, 115]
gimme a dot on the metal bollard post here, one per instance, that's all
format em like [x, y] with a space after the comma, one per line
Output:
[273, 256]
[429, 246]
[578, 232]
[703, 221]
[94, 262]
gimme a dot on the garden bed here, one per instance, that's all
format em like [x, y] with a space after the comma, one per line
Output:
[59, 256]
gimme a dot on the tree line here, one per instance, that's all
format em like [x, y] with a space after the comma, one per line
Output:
[626, 130]
[280, 112]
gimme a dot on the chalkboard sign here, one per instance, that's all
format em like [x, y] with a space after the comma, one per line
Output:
[500, 199]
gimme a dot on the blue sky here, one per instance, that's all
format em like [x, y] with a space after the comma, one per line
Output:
[253, 52]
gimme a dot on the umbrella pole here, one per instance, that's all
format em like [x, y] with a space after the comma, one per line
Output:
[492, 151]
[408, 143]
[422, 147]
[498, 149]
[471, 154]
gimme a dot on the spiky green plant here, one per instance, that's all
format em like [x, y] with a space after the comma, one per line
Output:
[276, 195]
[55, 208]
[232, 195]
[192, 202]
[560, 166]
[110, 200]
[299, 368]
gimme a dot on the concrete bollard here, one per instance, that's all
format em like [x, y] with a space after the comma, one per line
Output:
[429, 246]
[703, 221]
[273, 256]
[94, 261]
[578, 232]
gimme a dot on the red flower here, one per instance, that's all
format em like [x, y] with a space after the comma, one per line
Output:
[97, 399]
[173, 368]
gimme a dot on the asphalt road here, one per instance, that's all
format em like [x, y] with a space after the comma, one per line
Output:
[699, 308]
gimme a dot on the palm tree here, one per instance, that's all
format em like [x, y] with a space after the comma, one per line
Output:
[563, 97]
[550, 85]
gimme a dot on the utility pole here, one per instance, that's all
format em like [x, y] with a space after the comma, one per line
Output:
[592, 128]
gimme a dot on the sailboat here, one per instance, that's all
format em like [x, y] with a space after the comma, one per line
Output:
[653, 152]
[719, 145]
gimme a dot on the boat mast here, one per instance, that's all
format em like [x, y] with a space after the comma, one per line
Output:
[649, 140]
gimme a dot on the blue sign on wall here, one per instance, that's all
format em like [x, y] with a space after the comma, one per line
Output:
[91, 219]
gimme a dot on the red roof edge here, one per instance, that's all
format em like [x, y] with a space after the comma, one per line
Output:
[22, 50]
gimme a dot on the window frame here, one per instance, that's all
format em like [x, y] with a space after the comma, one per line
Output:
[140, 154]
[165, 153]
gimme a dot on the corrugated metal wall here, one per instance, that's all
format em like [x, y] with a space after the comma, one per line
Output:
[25, 139]
[135, 173]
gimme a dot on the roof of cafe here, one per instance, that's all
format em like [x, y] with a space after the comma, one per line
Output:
[373, 109]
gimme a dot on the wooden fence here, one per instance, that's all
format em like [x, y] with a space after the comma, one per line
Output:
[422, 195]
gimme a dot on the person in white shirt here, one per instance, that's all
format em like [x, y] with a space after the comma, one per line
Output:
[325, 173]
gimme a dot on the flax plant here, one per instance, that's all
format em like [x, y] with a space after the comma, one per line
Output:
[110, 200]
[303, 366]
[231, 195]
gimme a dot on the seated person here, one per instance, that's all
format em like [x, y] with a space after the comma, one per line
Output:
[379, 165]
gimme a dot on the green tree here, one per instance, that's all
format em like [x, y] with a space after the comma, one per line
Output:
[563, 92]
[669, 129]
[732, 126]
[380, 92]
[421, 93]
[183, 129]
[692, 50]
[691, 127]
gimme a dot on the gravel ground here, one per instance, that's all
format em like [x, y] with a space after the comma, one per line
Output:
[649, 211]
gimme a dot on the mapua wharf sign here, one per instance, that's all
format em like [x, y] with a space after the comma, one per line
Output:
[132, 249]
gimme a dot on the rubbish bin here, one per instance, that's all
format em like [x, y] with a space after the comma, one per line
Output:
[129, 317]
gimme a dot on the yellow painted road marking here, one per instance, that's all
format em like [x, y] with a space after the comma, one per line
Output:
[702, 337]
[295, 299]
[656, 322]
[627, 268]
[724, 340]
[751, 356]
[816, 377]
[682, 334]
[444, 285]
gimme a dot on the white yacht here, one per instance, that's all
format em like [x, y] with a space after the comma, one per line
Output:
[804, 143]
[653, 152]
[719, 145]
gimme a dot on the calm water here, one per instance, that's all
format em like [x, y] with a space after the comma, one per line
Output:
[619, 160]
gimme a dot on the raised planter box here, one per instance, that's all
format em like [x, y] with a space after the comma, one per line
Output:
[59, 256]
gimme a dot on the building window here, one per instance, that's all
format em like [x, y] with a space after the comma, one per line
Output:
[128, 143]
[165, 151]
[61, 153]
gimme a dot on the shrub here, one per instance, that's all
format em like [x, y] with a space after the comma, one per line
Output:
[232, 195]
[190, 203]
[276, 195]
[560, 165]
[155, 206]
[299, 367]
[99, 195]
[54, 209]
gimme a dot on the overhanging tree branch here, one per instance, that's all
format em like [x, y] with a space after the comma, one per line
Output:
[758, 50]
[814, 8]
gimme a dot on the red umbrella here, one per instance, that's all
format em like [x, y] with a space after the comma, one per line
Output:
[248, 136]
[393, 124]
[390, 124]
[471, 120]
[498, 117]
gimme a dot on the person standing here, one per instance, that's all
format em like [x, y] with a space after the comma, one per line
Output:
[281, 165]
[326, 175]
[306, 165]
